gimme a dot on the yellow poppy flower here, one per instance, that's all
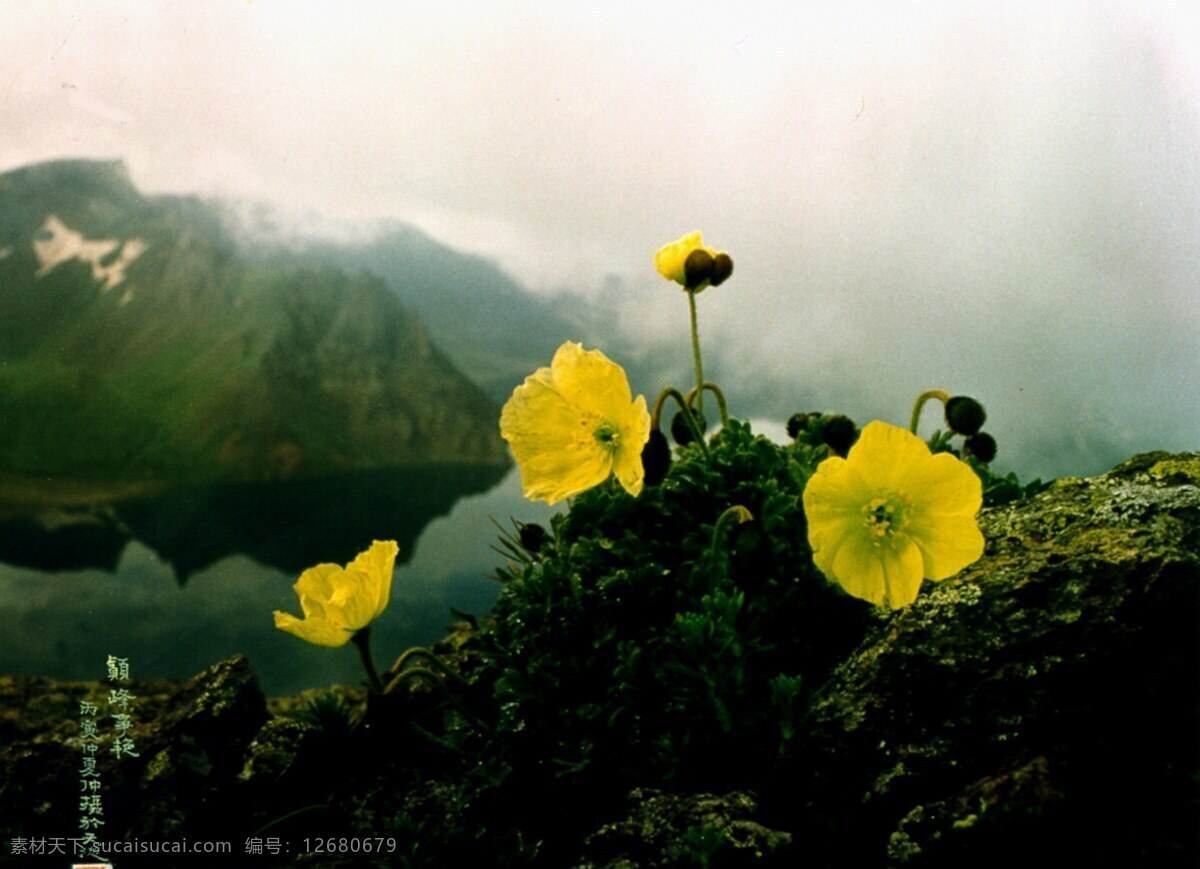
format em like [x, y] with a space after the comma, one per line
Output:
[891, 513]
[573, 424]
[671, 260]
[339, 601]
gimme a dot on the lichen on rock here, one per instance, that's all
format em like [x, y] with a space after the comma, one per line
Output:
[1046, 693]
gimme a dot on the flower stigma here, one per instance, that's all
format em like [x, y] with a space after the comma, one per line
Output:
[608, 435]
[884, 518]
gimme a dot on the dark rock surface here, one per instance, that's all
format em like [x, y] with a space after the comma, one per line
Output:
[1041, 704]
[188, 744]
[662, 830]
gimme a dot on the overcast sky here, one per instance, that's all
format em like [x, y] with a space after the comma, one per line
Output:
[998, 198]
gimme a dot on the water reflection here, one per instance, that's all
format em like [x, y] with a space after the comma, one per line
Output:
[288, 525]
[65, 624]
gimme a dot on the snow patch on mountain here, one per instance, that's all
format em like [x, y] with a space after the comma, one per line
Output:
[55, 243]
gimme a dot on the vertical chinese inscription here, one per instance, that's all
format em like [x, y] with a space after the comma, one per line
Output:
[91, 805]
[120, 708]
[120, 704]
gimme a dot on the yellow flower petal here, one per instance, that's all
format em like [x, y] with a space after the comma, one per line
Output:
[316, 587]
[902, 572]
[339, 601]
[890, 514]
[378, 563]
[670, 258]
[315, 631]
[627, 465]
[945, 486]
[883, 574]
[884, 454]
[553, 477]
[947, 544]
[354, 604]
[585, 380]
[857, 567]
[839, 493]
[572, 425]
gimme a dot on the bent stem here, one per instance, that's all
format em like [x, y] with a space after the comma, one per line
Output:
[435, 679]
[715, 390]
[696, 352]
[685, 408]
[426, 654]
[737, 513]
[362, 639]
[940, 394]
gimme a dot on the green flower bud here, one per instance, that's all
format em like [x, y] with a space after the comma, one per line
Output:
[839, 434]
[965, 416]
[797, 423]
[722, 268]
[656, 458]
[680, 430]
[531, 536]
[698, 269]
[982, 446]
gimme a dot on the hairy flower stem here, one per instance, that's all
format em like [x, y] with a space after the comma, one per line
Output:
[362, 639]
[688, 416]
[735, 514]
[696, 352]
[426, 654]
[940, 394]
[436, 679]
[715, 390]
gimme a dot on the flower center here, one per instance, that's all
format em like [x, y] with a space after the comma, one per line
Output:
[607, 435]
[883, 518]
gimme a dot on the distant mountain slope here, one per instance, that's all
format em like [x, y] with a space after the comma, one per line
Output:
[494, 330]
[136, 342]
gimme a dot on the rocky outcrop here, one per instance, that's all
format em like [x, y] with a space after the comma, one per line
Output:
[1043, 703]
[663, 830]
[187, 746]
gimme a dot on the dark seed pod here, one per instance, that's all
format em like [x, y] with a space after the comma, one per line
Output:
[531, 536]
[839, 434]
[680, 430]
[982, 446]
[722, 269]
[965, 416]
[656, 458]
[797, 423]
[698, 268]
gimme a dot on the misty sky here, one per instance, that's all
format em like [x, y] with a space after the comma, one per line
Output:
[1002, 199]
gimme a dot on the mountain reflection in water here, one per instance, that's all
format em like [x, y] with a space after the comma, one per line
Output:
[289, 525]
[241, 552]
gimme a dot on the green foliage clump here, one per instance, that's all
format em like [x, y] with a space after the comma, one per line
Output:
[666, 641]
[636, 648]
[700, 846]
[331, 714]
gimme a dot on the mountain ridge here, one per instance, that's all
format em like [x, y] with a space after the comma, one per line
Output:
[137, 341]
[494, 330]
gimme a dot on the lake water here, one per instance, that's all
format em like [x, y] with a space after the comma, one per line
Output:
[64, 624]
